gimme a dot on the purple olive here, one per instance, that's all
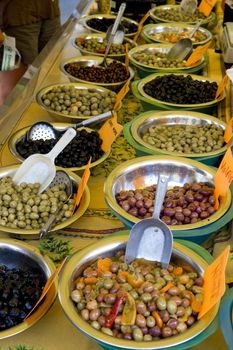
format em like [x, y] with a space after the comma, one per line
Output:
[169, 212]
[133, 211]
[166, 219]
[155, 331]
[179, 216]
[172, 323]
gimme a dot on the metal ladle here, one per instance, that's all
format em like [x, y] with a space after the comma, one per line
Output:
[151, 238]
[182, 49]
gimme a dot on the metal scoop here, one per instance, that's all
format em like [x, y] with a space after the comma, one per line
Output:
[182, 49]
[40, 167]
[45, 131]
[114, 32]
[151, 238]
[61, 177]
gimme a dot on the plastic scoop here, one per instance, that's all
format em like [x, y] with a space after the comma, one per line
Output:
[40, 168]
[151, 238]
[182, 49]
[188, 6]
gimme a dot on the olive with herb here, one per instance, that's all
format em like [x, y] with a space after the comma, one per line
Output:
[177, 15]
[102, 24]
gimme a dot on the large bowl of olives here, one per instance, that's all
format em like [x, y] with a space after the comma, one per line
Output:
[75, 156]
[94, 43]
[23, 273]
[90, 317]
[23, 211]
[173, 13]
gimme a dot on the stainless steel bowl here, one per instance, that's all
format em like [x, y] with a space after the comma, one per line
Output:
[20, 134]
[17, 254]
[85, 19]
[151, 29]
[141, 125]
[78, 86]
[107, 248]
[100, 38]
[10, 170]
[143, 171]
[156, 18]
[157, 48]
[88, 61]
[151, 77]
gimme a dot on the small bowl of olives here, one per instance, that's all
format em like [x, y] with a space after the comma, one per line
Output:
[75, 156]
[23, 273]
[75, 101]
[91, 317]
[94, 43]
[86, 69]
[23, 211]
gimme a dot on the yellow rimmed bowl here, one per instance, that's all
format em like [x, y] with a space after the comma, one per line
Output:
[20, 134]
[100, 38]
[34, 233]
[78, 86]
[99, 17]
[149, 30]
[108, 248]
[143, 171]
[88, 61]
[156, 16]
[17, 254]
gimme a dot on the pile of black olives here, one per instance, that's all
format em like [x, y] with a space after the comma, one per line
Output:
[20, 289]
[180, 89]
[102, 25]
[76, 154]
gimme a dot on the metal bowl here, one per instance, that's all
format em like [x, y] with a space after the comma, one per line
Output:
[18, 135]
[85, 19]
[10, 171]
[107, 248]
[100, 38]
[141, 124]
[160, 48]
[78, 86]
[151, 29]
[154, 16]
[17, 254]
[88, 61]
[143, 171]
[151, 77]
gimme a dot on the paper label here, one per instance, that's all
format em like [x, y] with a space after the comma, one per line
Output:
[9, 53]
[228, 132]
[221, 86]
[206, 6]
[109, 132]
[197, 54]
[230, 73]
[140, 25]
[82, 184]
[223, 176]
[214, 282]
[121, 94]
[139, 182]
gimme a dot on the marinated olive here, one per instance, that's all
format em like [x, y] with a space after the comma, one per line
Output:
[102, 24]
[157, 59]
[99, 46]
[177, 15]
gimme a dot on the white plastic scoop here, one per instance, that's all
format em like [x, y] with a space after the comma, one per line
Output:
[151, 238]
[40, 168]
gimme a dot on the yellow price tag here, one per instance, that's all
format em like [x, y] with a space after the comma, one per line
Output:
[228, 132]
[197, 55]
[121, 94]
[221, 86]
[206, 6]
[140, 25]
[109, 132]
[82, 184]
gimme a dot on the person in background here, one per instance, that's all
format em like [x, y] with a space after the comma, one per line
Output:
[32, 23]
[228, 11]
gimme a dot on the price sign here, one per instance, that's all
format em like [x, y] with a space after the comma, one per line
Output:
[109, 132]
[221, 86]
[140, 25]
[197, 55]
[223, 176]
[82, 185]
[228, 132]
[214, 282]
[121, 94]
[206, 6]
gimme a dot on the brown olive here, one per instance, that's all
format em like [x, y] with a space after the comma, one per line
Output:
[166, 332]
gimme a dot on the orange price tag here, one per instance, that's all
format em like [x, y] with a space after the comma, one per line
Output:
[47, 286]
[121, 94]
[109, 132]
[140, 25]
[82, 185]
[221, 86]
[214, 282]
[127, 56]
[139, 182]
[228, 132]
[223, 176]
[197, 54]
[206, 6]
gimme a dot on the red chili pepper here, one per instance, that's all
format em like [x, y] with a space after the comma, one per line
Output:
[114, 311]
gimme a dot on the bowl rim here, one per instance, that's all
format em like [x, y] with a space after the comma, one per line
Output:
[144, 117]
[49, 299]
[112, 203]
[14, 138]
[157, 47]
[85, 201]
[93, 58]
[113, 242]
[142, 82]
